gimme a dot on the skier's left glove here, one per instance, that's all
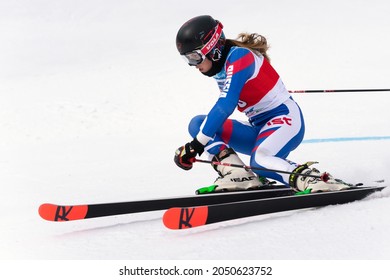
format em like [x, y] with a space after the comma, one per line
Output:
[185, 155]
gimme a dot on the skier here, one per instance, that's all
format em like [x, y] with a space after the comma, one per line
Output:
[248, 82]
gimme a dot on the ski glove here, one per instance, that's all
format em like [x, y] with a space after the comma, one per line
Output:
[185, 155]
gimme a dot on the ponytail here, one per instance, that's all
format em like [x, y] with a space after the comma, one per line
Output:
[255, 42]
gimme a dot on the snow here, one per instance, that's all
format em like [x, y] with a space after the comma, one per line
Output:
[94, 100]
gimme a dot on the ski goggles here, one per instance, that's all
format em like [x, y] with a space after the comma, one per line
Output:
[196, 57]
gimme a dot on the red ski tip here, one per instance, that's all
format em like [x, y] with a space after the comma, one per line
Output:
[58, 213]
[181, 218]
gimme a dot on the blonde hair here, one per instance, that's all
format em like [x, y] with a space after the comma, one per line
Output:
[255, 42]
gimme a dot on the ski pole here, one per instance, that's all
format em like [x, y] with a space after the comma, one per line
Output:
[324, 177]
[337, 90]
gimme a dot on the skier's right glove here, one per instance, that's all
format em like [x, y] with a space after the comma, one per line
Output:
[185, 155]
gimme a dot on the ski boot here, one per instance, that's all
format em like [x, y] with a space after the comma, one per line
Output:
[301, 182]
[233, 178]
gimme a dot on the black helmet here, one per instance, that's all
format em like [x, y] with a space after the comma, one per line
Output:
[200, 33]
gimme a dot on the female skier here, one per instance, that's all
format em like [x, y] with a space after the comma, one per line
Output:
[248, 82]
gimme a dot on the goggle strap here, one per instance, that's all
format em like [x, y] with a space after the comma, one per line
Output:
[214, 39]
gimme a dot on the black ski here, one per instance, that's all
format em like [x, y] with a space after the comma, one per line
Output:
[60, 213]
[189, 217]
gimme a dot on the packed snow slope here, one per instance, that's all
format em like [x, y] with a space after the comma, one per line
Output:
[94, 100]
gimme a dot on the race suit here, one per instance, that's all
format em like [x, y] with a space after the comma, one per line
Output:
[275, 124]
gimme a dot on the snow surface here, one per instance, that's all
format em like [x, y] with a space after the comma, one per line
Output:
[94, 100]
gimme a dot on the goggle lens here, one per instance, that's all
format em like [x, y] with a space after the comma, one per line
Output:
[194, 58]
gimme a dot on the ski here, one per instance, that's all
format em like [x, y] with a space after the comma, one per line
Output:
[62, 213]
[190, 217]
